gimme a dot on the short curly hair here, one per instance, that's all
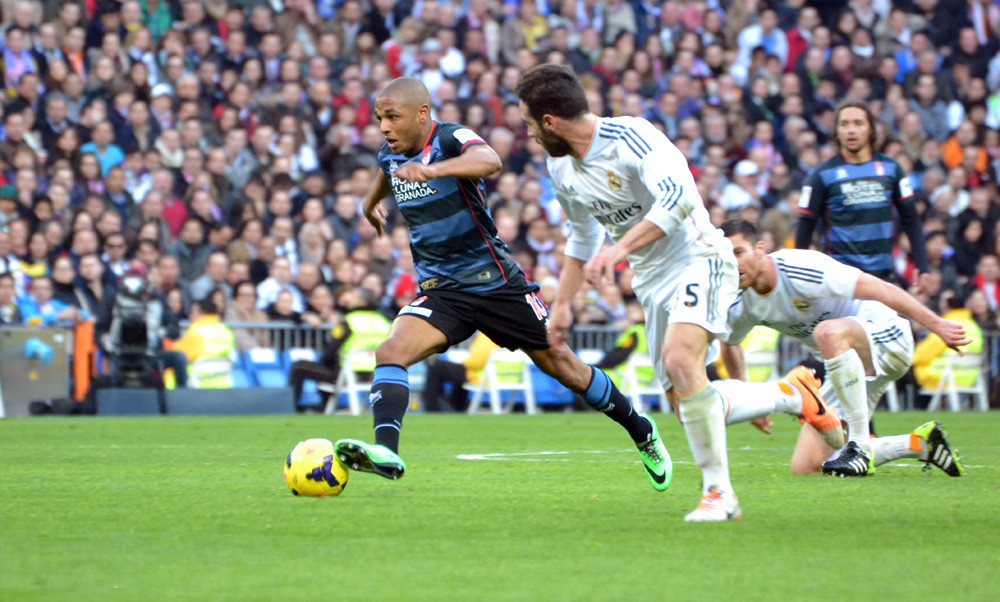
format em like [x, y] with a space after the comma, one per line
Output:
[551, 90]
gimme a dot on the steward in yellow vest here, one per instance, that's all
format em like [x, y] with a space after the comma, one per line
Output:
[208, 339]
[362, 329]
[931, 355]
[628, 342]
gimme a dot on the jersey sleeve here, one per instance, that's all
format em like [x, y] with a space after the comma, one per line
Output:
[586, 234]
[664, 171]
[454, 139]
[815, 275]
[740, 322]
[813, 197]
[902, 189]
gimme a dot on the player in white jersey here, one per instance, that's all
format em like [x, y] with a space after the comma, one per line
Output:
[622, 175]
[849, 320]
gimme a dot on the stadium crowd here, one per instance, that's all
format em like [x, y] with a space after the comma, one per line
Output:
[221, 148]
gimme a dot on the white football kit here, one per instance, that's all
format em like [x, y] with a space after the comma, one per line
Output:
[812, 287]
[632, 172]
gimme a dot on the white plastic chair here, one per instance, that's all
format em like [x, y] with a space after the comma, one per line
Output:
[892, 398]
[349, 382]
[505, 372]
[978, 390]
[636, 388]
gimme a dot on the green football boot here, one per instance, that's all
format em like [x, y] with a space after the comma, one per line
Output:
[363, 457]
[659, 468]
[939, 453]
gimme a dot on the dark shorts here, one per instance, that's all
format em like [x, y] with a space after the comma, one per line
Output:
[512, 317]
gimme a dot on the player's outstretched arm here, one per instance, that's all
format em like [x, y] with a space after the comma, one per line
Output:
[479, 161]
[875, 289]
[371, 206]
[601, 268]
[732, 359]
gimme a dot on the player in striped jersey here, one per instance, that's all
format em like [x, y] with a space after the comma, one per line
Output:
[854, 193]
[623, 177]
[468, 281]
[848, 320]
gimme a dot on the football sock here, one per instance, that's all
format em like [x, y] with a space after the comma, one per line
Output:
[918, 445]
[887, 449]
[743, 401]
[390, 397]
[847, 374]
[705, 426]
[604, 396]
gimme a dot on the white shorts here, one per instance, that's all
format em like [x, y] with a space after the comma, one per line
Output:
[891, 344]
[699, 292]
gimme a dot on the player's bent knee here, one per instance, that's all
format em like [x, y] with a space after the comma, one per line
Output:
[831, 337]
[395, 351]
[683, 369]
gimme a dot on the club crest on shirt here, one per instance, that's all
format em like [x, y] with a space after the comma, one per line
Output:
[614, 182]
[425, 156]
[800, 305]
[393, 166]
[841, 174]
[879, 169]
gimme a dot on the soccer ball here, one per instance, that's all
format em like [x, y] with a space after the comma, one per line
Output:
[312, 469]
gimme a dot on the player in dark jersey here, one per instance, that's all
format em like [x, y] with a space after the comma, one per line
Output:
[854, 194]
[468, 280]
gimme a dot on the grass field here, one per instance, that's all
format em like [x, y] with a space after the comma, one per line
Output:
[196, 509]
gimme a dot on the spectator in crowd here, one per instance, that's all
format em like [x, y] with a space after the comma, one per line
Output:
[280, 279]
[10, 309]
[44, 309]
[244, 309]
[214, 277]
[191, 250]
[742, 191]
[987, 280]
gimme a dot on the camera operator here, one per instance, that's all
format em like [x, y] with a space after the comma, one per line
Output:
[136, 321]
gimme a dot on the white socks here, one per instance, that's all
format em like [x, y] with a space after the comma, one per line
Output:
[743, 401]
[847, 375]
[705, 426]
[887, 449]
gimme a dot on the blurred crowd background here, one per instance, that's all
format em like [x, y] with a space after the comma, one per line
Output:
[221, 148]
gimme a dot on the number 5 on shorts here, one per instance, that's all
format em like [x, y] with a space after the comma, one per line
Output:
[692, 297]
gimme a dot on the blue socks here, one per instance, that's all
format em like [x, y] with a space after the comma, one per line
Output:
[604, 396]
[389, 398]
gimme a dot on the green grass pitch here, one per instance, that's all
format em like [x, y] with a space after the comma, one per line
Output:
[196, 509]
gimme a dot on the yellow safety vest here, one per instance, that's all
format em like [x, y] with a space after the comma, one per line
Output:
[964, 377]
[368, 330]
[643, 375]
[217, 342]
[760, 338]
